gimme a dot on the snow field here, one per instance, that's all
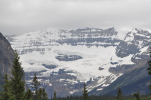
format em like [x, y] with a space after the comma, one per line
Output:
[83, 69]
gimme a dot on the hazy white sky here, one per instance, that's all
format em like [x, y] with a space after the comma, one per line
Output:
[21, 16]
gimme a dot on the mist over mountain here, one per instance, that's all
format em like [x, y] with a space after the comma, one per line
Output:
[65, 59]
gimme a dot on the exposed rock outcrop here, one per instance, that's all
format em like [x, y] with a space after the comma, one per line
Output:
[6, 56]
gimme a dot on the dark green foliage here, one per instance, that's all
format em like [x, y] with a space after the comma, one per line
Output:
[14, 90]
[17, 85]
[40, 94]
[149, 69]
[119, 94]
[149, 63]
[1, 82]
[51, 98]
[54, 96]
[85, 93]
[44, 95]
[136, 95]
[28, 94]
[6, 95]
[105, 97]
[35, 85]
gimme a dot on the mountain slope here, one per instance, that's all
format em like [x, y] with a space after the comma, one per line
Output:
[142, 85]
[130, 82]
[137, 74]
[65, 59]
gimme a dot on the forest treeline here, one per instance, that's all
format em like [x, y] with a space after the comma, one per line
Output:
[14, 89]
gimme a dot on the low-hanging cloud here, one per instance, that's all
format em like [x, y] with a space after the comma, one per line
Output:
[20, 16]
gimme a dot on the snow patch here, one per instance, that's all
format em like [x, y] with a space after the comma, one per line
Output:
[99, 89]
[50, 84]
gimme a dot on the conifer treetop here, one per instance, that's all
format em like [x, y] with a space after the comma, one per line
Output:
[85, 93]
[17, 85]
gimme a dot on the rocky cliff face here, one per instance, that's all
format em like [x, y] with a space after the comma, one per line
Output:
[6, 57]
[134, 42]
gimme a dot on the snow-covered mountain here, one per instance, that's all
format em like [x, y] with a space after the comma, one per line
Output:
[135, 77]
[65, 59]
[136, 43]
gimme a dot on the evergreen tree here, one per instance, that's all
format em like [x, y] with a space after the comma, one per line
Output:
[136, 95]
[44, 95]
[6, 95]
[28, 95]
[17, 85]
[40, 94]
[119, 94]
[149, 69]
[54, 96]
[35, 85]
[85, 93]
